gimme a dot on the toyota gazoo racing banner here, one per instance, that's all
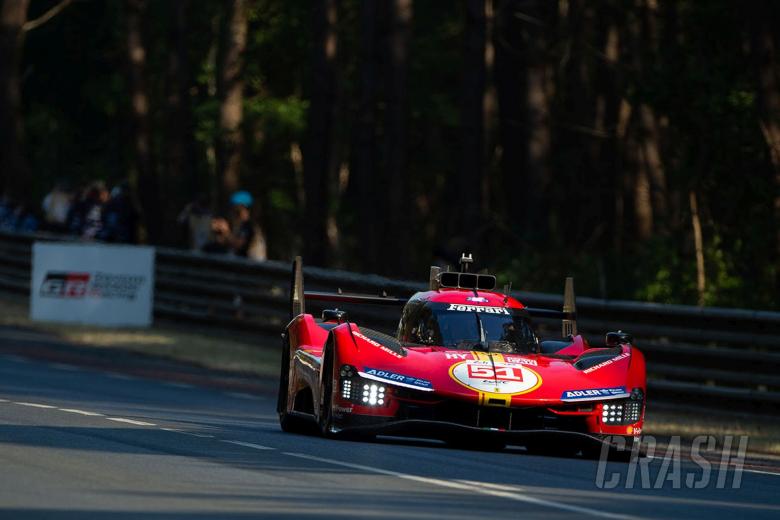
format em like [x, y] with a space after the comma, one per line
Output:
[92, 283]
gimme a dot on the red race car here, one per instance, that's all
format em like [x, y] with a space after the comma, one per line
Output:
[466, 367]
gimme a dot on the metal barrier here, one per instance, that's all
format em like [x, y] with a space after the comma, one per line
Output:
[716, 357]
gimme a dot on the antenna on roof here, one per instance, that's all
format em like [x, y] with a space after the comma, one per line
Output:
[465, 262]
[569, 309]
[433, 280]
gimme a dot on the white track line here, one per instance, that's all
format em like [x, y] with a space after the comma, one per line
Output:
[34, 405]
[761, 472]
[178, 385]
[130, 421]
[511, 495]
[81, 412]
[201, 435]
[242, 395]
[248, 445]
[123, 377]
[4, 401]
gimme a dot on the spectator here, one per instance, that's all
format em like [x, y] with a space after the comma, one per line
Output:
[6, 212]
[119, 217]
[247, 239]
[74, 223]
[24, 220]
[97, 196]
[56, 206]
[219, 239]
[243, 229]
[197, 219]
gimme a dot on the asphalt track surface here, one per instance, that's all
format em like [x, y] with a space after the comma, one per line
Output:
[82, 443]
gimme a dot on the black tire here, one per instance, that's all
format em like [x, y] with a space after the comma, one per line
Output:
[325, 419]
[288, 423]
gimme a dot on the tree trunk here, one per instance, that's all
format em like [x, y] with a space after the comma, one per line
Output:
[364, 169]
[607, 155]
[489, 114]
[764, 56]
[471, 169]
[319, 155]
[510, 88]
[14, 177]
[396, 179]
[146, 181]
[230, 90]
[698, 242]
[538, 131]
[181, 182]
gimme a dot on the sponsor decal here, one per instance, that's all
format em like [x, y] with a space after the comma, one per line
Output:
[378, 345]
[343, 409]
[477, 299]
[608, 362]
[477, 308]
[457, 355]
[495, 377]
[392, 377]
[594, 393]
[74, 285]
[518, 359]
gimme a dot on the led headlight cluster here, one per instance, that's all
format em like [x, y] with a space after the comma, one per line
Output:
[632, 410]
[612, 413]
[624, 412]
[346, 388]
[361, 391]
[373, 394]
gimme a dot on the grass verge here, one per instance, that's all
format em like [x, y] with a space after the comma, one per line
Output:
[208, 348]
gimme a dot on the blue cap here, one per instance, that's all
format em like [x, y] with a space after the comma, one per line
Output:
[241, 198]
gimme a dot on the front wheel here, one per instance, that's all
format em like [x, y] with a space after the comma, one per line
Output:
[325, 419]
[287, 422]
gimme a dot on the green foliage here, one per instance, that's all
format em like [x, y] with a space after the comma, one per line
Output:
[696, 74]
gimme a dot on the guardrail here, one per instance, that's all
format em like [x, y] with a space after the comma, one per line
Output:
[716, 357]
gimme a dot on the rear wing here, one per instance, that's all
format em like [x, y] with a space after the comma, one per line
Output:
[298, 297]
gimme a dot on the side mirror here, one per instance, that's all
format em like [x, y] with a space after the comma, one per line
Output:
[616, 338]
[334, 315]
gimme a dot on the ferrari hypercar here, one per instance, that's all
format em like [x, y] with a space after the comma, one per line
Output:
[465, 366]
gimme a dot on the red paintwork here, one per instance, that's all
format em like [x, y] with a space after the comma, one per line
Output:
[435, 364]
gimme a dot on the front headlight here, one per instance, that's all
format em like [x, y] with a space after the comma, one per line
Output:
[629, 411]
[373, 394]
[361, 391]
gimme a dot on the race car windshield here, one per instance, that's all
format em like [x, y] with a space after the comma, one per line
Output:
[467, 327]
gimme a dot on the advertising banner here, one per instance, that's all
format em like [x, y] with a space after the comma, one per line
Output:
[96, 284]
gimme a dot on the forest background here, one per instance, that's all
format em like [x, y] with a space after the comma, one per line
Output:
[634, 144]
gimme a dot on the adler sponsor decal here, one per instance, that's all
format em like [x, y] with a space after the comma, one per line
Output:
[392, 377]
[608, 362]
[594, 394]
[477, 308]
